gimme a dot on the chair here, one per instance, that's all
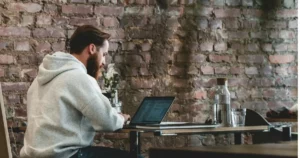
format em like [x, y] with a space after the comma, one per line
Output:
[275, 135]
[5, 148]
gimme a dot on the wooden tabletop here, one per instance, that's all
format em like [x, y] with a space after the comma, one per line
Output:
[284, 150]
[203, 130]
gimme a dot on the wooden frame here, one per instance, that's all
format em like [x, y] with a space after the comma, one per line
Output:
[5, 148]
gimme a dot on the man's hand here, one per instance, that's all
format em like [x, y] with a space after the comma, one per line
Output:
[126, 117]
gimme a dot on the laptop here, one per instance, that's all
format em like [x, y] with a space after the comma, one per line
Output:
[152, 111]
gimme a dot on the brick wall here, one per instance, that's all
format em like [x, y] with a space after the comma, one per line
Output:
[173, 47]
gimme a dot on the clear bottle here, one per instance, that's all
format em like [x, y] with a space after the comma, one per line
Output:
[222, 103]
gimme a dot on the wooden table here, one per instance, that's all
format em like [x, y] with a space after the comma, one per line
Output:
[284, 150]
[135, 143]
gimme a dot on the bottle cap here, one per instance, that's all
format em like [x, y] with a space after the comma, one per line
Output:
[221, 81]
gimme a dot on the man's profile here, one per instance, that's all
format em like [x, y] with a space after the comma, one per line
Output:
[65, 105]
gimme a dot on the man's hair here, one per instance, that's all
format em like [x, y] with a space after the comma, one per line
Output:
[86, 35]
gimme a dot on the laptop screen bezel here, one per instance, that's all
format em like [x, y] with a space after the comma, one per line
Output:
[152, 98]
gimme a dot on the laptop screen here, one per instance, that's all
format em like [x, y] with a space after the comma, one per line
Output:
[152, 110]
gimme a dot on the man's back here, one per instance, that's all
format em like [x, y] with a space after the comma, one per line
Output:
[63, 104]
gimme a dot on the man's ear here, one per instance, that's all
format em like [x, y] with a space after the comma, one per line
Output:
[92, 49]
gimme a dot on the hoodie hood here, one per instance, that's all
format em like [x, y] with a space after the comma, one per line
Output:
[55, 64]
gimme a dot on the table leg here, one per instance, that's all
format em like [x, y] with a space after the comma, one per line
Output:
[237, 138]
[286, 133]
[135, 144]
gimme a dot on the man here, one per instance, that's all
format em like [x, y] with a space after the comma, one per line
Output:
[65, 105]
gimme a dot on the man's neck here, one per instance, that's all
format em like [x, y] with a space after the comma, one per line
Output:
[81, 58]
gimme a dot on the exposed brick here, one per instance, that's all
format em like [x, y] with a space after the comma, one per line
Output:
[222, 70]
[6, 59]
[4, 44]
[14, 31]
[219, 2]
[137, 83]
[269, 93]
[243, 94]
[139, 10]
[197, 58]
[15, 86]
[216, 24]
[253, 47]
[207, 70]
[13, 99]
[252, 13]
[22, 46]
[251, 70]
[29, 73]
[222, 58]
[110, 22]
[84, 21]
[289, 82]
[275, 24]
[233, 2]
[260, 35]
[267, 47]
[50, 9]
[206, 46]
[106, 10]
[262, 82]
[116, 34]
[247, 3]
[27, 20]
[77, 9]
[48, 32]
[238, 82]
[172, 23]
[266, 70]
[43, 47]
[204, 11]
[144, 72]
[288, 3]
[286, 34]
[237, 70]
[279, 104]
[251, 24]
[2, 72]
[200, 94]
[282, 71]
[274, 34]
[146, 46]
[14, 72]
[220, 46]
[174, 70]
[78, 1]
[293, 24]
[128, 46]
[231, 23]
[180, 83]
[293, 70]
[291, 47]
[281, 59]
[59, 46]
[281, 47]
[60, 21]
[251, 58]
[175, 11]
[133, 60]
[94, 1]
[238, 34]
[204, 82]
[113, 46]
[223, 13]
[287, 13]
[25, 7]
[43, 20]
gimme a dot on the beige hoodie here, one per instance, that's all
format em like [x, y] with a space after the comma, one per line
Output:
[65, 107]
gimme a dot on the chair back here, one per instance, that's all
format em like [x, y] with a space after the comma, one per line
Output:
[5, 149]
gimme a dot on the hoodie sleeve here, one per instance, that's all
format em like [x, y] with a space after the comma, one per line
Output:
[93, 104]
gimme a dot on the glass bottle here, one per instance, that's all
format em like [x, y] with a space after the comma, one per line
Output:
[222, 103]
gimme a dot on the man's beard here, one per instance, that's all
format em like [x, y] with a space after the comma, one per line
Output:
[93, 68]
